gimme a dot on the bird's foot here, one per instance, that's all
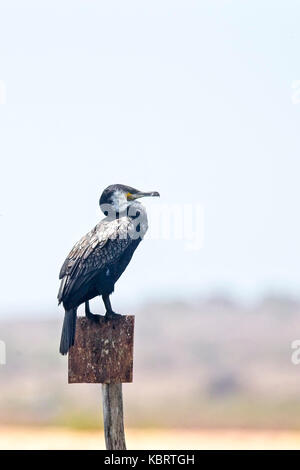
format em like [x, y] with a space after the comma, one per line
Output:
[110, 315]
[93, 317]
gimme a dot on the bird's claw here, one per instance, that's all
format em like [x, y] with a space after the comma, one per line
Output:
[112, 316]
[94, 317]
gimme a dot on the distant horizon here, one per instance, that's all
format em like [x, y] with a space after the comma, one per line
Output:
[48, 312]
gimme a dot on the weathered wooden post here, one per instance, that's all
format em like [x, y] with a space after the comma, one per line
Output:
[103, 353]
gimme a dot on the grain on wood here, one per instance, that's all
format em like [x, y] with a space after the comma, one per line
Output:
[113, 417]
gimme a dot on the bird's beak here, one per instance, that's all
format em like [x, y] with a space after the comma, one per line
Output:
[141, 194]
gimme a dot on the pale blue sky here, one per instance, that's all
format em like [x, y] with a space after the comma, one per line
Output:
[190, 98]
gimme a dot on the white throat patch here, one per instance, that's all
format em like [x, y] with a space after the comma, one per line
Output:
[119, 201]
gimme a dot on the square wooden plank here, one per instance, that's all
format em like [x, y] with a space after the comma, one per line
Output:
[103, 352]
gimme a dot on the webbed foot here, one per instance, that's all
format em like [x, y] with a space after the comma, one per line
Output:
[94, 317]
[91, 316]
[110, 315]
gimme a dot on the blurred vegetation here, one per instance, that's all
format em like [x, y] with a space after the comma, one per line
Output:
[211, 363]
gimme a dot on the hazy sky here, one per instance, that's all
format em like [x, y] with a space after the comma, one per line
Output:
[193, 99]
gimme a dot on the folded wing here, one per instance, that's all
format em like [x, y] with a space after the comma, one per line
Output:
[103, 245]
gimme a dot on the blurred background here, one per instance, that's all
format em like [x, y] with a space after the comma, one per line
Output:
[201, 102]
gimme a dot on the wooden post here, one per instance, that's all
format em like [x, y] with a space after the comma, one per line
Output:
[103, 353]
[113, 416]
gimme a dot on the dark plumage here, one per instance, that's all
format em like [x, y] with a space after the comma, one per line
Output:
[99, 258]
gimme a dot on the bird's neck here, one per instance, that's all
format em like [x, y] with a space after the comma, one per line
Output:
[137, 212]
[138, 215]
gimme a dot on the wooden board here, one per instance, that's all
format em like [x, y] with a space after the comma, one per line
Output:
[103, 352]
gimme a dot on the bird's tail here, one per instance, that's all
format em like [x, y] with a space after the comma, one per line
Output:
[68, 331]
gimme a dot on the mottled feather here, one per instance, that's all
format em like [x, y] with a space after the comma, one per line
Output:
[103, 245]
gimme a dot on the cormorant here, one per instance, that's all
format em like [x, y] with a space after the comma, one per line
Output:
[99, 258]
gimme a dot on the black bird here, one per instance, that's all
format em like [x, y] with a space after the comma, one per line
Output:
[99, 258]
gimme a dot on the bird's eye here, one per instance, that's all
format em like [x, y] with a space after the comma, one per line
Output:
[129, 196]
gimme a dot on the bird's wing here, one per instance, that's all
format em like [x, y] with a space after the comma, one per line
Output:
[105, 243]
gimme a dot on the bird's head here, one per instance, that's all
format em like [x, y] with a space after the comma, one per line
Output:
[119, 197]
